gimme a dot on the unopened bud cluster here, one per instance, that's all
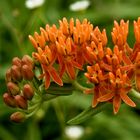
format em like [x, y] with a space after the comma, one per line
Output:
[19, 89]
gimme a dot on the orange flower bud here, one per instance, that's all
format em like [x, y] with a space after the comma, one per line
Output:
[9, 100]
[21, 102]
[16, 61]
[28, 91]
[18, 117]
[27, 72]
[16, 73]
[13, 88]
[8, 75]
[27, 60]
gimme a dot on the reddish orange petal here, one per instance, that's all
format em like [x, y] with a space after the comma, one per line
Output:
[126, 59]
[87, 57]
[127, 67]
[116, 103]
[76, 65]
[94, 100]
[95, 97]
[54, 75]
[80, 58]
[105, 66]
[70, 70]
[127, 100]
[62, 70]
[33, 41]
[106, 97]
[47, 80]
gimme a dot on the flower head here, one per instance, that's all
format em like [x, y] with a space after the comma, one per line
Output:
[64, 46]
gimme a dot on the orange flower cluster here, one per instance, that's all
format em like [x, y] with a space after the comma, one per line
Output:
[114, 72]
[65, 46]
[75, 44]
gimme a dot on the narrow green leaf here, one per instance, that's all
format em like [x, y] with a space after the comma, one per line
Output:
[87, 113]
[54, 89]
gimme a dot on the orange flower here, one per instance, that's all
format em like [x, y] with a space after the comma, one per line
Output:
[95, 75]
[97, 36]
[136, 48]
[111, 71]
[137, 30]
[81, 38]
[66, 57]
[47, 58]
[119, 33]
[118, 88]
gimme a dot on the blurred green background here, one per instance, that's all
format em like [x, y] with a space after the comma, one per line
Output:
[16, 23]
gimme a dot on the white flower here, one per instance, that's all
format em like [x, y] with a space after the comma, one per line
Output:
[74, 132]
[79, 5]
[31, 4]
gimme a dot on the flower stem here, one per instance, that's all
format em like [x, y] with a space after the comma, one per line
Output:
[33, 112]
[135, 94]
[79, 86]
[47, 97]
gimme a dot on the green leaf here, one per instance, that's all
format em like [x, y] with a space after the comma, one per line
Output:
[54, 89]
[87, 113]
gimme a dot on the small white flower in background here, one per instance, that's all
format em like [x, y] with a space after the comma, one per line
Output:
[74, 132]
[79, 5]
[31, 4]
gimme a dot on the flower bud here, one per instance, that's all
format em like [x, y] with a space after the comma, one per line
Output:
[13, 88]
[16, 61]
[16, 73]
[18, 117]
[27, 60]
[8, 75]
[21, 102]
[27, 72]
[9, 100]
[28, 92]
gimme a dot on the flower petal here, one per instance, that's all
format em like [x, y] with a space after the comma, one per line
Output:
[106, 97]
[54, 75]
[70, 69]
[126, 59]
[62, 70]
[127, 100]
[77, 65]
[95, 97]
[116, 103]
[94, 100]
[47, 80]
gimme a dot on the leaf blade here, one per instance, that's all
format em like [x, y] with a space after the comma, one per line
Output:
[87, 113]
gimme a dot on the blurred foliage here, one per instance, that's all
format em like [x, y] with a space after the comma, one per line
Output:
[16, 23]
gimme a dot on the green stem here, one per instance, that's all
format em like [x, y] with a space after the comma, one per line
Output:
[135, 94]
[79, 86]
[47, 97]
[35, 110]
[60, 116]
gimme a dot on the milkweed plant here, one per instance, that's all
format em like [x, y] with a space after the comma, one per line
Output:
[61, 53]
